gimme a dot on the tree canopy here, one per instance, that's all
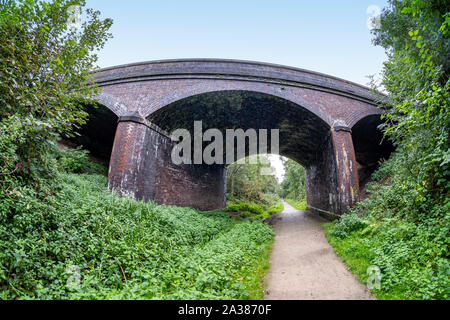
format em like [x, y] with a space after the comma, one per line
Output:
[45, 72]
[416, 37]
[294, 183]
[403, 227]
[252, 181]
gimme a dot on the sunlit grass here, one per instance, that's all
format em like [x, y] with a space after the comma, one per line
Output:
[299, 205]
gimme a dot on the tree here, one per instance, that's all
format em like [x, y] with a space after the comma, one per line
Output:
[249, 181]
[416, 37]
[294, 183]
[45, 79]
[408, 211]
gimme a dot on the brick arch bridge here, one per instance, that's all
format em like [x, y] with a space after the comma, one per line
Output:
[327, 124]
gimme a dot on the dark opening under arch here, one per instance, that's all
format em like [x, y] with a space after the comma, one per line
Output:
[301, 133]
[97, 134]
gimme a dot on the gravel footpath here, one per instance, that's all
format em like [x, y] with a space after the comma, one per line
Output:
[303, 263]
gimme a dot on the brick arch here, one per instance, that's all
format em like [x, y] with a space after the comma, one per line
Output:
[112, 102]
[140, 163]
[194, 88]
[97, 133]
[301, 132]
[144, 88]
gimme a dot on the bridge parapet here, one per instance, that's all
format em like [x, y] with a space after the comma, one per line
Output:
[233, 70]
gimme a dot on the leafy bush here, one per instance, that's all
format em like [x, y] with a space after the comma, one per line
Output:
[269, 200]
[77, 161]
[254, 211]
[294, 185]
[278, 207]
[405, 236]
[348, 223]
[123, 249]
[246, 183]
[44, 82]
[407, 216]
[249, 207]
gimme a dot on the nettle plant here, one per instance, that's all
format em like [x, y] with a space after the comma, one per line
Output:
[45, 72]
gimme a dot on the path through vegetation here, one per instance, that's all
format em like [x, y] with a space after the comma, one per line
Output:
[304, 265]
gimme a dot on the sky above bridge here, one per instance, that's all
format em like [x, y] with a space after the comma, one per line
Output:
[327, 36]
[331, 36]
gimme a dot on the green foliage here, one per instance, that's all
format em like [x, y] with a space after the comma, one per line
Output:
[404, 227]
[347, 224]
[45, 69]
[252, 275]
[248, 181]
[299, 205]
[412, 264]
[251, 193]
[294, 183]
[401, 232]
[278, 207]
[254, 211]
[249, 207]
[124, 249]
[77, 161]
[415, 34]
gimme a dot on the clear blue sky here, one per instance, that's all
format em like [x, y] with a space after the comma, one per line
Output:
[325, 36]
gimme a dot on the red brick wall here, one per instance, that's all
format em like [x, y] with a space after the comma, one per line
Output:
[141, 167]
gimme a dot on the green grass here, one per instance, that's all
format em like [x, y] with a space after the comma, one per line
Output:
[125, 249]
[253, 211]
[409, 267]
[353, 252]
[278, 207]
[253, 274]
[356, 252]
[299, 205]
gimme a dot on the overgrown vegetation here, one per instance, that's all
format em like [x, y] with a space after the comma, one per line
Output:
[294, 185]
[62, 234]
[252, 189]
[404, 227]
[45, 68]
[408, 244]
[77, 160]
[254, 211]
[82, 242]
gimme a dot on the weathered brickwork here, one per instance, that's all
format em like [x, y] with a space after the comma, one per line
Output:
[346, 169]
[321, 182]
[314, 112]
[141, 168]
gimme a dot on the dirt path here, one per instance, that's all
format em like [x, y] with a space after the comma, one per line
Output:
[304, 265]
